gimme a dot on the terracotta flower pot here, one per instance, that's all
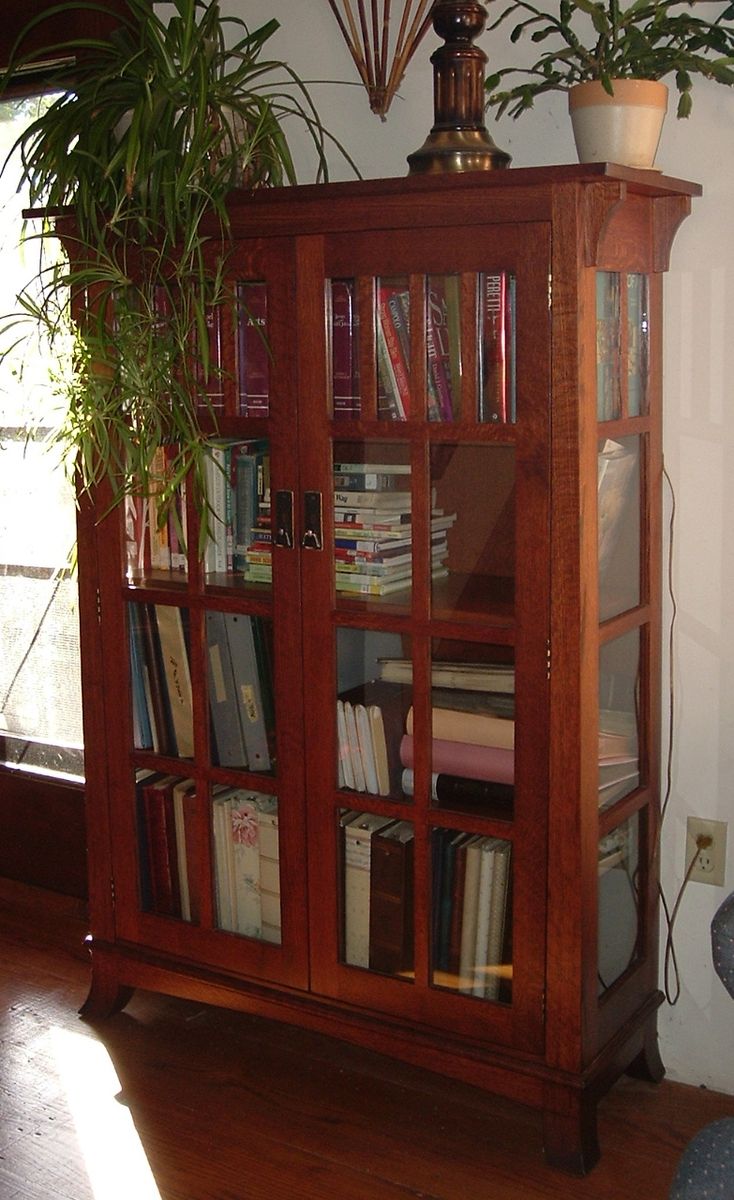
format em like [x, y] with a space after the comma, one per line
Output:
[623, 128]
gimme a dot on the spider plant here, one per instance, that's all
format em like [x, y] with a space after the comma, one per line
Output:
[157, 126]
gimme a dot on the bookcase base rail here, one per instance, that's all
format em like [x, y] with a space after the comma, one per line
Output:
[567, 1101]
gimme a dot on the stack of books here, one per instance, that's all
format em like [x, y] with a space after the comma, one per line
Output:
[373, 541]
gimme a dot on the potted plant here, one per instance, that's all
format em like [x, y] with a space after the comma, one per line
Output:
[160, 123]
[605, 56]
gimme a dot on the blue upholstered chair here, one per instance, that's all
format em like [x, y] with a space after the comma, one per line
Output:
[706, 1168]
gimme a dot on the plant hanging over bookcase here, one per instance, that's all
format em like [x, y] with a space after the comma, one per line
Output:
[160, 123]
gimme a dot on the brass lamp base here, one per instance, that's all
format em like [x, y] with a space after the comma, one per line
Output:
[446, 150]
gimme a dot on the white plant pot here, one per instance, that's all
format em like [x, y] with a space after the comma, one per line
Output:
[624, 128]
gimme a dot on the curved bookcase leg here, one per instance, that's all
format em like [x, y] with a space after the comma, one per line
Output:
[107, 995]
[648, 1065]
[570, 1140]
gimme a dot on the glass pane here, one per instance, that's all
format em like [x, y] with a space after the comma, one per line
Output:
[371, 710]
[343, 327]
[619, 752]
[608, 351]
[392, 335]
[40, 685]
[619, 910]
[168, 842]
[377, 908]
[161, 679]
[253, 350]
[372, 521]
[638, 343]
[246, 863]
[471, 927]
[619, 525]
[240, 529]
[240, 679]
[443, 347]
[497, 401]
[473, 529]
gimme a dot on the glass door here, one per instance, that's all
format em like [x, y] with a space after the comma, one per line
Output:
[210, 619]
[429, 651]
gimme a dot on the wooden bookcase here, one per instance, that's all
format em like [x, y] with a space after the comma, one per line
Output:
[525, 448]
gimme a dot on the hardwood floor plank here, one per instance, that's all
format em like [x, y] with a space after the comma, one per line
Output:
[232, 1107]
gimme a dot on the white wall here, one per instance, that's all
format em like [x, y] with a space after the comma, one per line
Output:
[696, 1033]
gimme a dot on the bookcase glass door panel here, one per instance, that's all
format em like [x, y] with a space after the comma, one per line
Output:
[622, 344]
[238, 549]
[377, 893]
[160, 676]
[374, 694]
[471, 919]
[472, 735]
[240, 686]
[619, 732]
[620, 888]
[473, 528]
[373, 521]
[246, 863]
[253, 349]
[619, 523]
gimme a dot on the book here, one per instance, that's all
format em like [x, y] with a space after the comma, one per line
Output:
[466, 676]
[355, 756]
[157, 798]
[154, 681]
[440, 406]
[391, 899]
[366, 751]
[177, 676]
[370, 481]
[497, 919]
[487, 849]
[376, 587]
[245, 809]
[270, 906]
[224, 708]
[457, 792]
[357, 832]
[253, 351]
[388, 500]
[496, 403]
[246, 672]
[462, 758]
[346, 771]
[343, 327]
[142, 729]
[216, 477]
[187, 848]
[456, 906]
[360, 468]
[379, 748]
[480, 729]
[393, 350]
[467, 948]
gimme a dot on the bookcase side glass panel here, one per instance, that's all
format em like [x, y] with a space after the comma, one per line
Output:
[620, 889]
[619, 508]
[620, 683]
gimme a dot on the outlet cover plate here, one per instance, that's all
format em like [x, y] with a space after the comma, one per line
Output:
[710, 863]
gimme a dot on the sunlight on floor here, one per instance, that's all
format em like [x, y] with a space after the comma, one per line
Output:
[114, 1158]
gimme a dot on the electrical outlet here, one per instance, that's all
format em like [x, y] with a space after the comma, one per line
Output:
[710, 860]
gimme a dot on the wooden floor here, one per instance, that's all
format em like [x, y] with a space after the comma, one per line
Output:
[209, 1105]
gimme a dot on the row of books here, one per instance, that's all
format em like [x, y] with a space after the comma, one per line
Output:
[153, 543]
[241, 703]
[378, 893]
[471, 925]
[238, 495]
[162, 703]
[363, 761]
[495, 306]
[247, 863]
[169, 845]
